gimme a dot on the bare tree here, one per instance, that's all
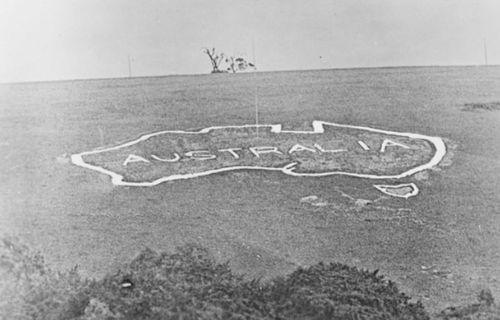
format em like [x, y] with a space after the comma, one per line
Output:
[215, 59]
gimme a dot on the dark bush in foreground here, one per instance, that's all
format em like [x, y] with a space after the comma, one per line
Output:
[190, 285]
[161, 286]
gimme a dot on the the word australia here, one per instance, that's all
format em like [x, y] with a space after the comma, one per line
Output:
[326, 149]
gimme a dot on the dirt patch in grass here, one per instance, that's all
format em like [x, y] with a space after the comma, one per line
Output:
[482, 106]
[484, 309]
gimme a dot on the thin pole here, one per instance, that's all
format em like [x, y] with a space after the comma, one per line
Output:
[485, 53]
[129, 68]
[256, 100]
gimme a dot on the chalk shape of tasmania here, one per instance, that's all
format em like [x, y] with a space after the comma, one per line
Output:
[327, 149]
[404, 190]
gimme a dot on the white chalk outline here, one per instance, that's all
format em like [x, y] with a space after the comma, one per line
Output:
[318, 127]
[382, 188]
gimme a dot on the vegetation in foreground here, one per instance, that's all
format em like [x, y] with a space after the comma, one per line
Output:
[188, 284]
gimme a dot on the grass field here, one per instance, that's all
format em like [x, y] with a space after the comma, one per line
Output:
[442, 246]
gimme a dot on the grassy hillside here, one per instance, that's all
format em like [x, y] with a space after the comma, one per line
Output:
[441, 246]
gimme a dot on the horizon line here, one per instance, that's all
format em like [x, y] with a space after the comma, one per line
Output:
[256, 71]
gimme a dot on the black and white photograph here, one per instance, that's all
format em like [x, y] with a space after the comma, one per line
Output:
[249, 159]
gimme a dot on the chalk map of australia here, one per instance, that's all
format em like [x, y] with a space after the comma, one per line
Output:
[325, 150]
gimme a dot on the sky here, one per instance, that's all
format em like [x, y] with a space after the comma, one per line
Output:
[78, 39]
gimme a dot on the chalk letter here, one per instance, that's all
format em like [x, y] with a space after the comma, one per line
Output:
[232, 152]
[134, 158]
[175, 159]
[389, 143]
[299, 147]
[200, 155]
[261, 150]
[363, 145]
[332, 151]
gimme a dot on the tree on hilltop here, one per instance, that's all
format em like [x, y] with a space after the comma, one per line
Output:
[222, 63]
[215, 59]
